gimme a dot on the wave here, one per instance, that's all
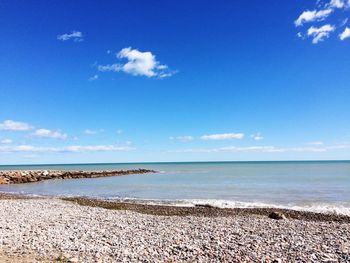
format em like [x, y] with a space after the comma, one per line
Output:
[339, 208]
[324, 208]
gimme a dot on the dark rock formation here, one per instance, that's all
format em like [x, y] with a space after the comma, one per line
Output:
[17, 177]
[277, 215]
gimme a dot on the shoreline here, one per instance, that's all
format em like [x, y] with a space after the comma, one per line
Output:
[206, 210]
[183, 211]
[30, 176]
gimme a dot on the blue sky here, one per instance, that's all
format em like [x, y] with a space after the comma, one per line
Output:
[133, 81]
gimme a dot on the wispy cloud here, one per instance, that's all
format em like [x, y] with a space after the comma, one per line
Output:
[9, 125]
[257, 136]
[185, 138]
[271, 149]
[338, 3]
[6, 141]
[31, 156]
[94, 77]
[109, 67]
[344, 22]
[310, 16]
[315, 143]
[96, 148]
[92, 132]
[265, 149]
[138, 64]
[223, 136]
[68, 149]
[45, 133]
[345, 34]
[319, 34]
[76, 36]
[339, 147]
[232, 149]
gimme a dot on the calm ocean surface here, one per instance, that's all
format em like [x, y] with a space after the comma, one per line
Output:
[322, 186]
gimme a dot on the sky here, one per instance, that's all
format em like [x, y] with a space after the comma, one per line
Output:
[157, 81]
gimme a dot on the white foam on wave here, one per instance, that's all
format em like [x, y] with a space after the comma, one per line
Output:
[339, 209]
[182, 172]
[325, 208]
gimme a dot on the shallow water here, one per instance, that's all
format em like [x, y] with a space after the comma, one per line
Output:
[322, 186]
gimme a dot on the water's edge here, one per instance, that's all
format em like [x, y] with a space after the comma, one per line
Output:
[198, 208]
[325, 209]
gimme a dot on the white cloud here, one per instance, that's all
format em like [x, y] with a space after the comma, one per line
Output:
[186, 138]
[249, 149]
[10, 125]
[112, 67]
[322, 13]
[259, 149]
[96, 148]
[304, 149]
[316, 147]
[339, 146]
[90, 132]
[139, 64]
[45, 133]
[31, 156]
[344, 22]
[94, 77]
[310, 16]
[6, 141]
[337, 4]
[223, 136]
[128, 143]
[319, 34]
[76, 36]
[200, 150]
[316, 143]
[257, 136]
[72, 149]
[19, 148]
[345, 34]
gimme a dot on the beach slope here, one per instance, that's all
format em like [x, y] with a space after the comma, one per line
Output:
[54, 229]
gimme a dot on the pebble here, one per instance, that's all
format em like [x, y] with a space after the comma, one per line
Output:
[53, 228]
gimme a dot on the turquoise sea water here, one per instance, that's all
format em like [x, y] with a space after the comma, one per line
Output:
[322, 186]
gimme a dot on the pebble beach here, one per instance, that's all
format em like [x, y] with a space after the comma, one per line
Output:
[54, 230]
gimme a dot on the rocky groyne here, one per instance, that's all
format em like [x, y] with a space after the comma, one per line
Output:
[18, 177]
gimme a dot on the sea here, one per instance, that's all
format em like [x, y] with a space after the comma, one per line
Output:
[318, 186]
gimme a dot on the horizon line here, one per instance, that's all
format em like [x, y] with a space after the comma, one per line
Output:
[165, 162]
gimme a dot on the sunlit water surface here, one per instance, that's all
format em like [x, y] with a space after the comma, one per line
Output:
[316, 186]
